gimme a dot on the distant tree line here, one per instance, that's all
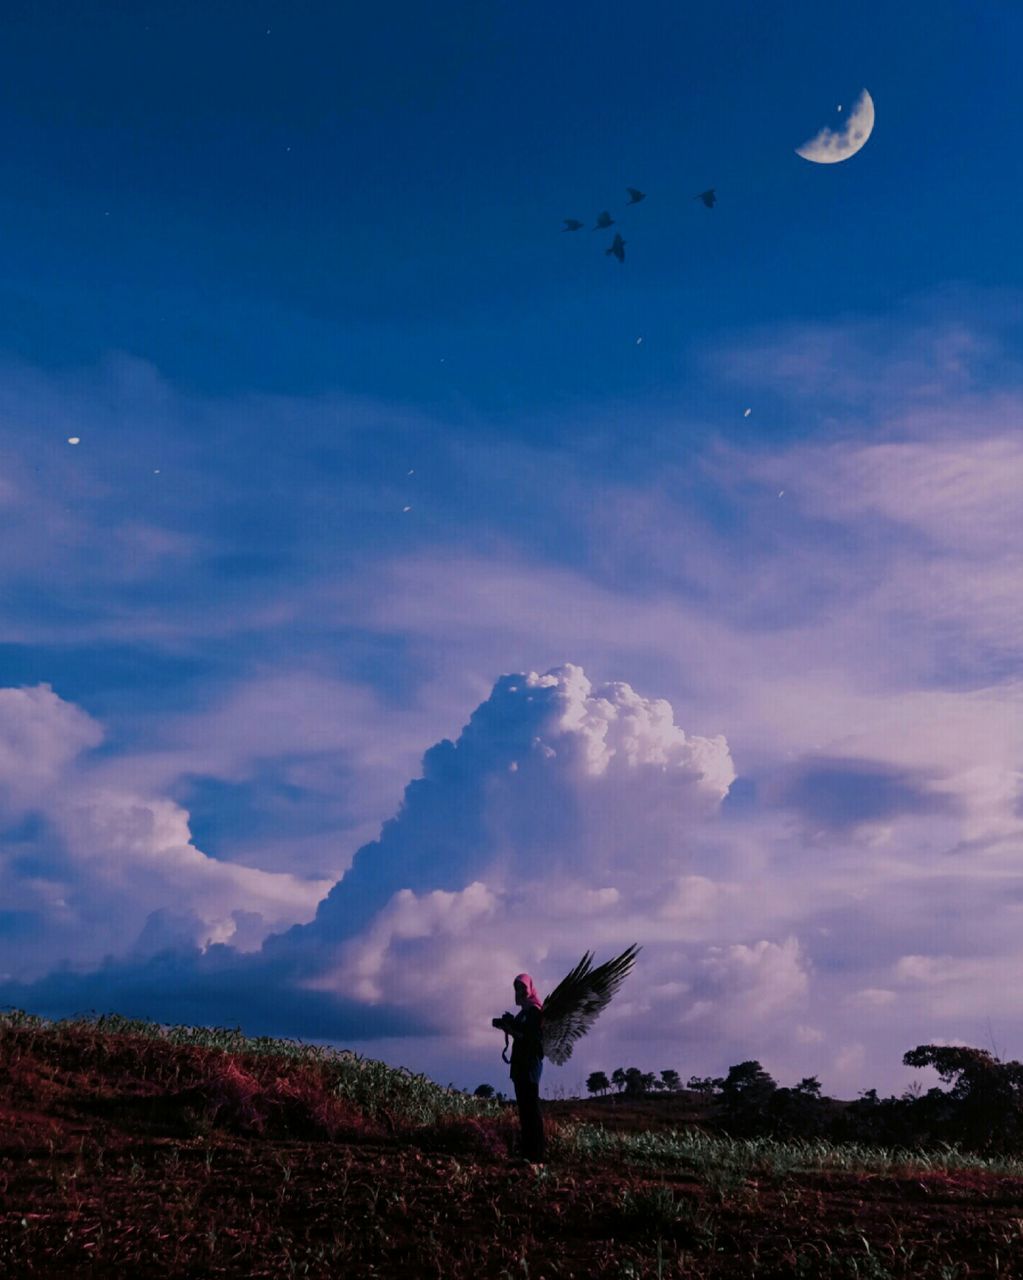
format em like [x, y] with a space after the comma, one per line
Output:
[982, 1109]
[633, 1082]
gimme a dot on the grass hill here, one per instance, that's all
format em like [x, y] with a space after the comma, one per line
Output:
[127, 1149]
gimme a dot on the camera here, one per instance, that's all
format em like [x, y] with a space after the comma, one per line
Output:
[503, 1021]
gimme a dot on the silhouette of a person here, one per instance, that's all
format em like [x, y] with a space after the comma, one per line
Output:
[526, 1031]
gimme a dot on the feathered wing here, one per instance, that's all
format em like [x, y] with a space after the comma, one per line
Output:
[574, 1004]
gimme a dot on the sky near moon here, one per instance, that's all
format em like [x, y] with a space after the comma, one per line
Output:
[400, 593]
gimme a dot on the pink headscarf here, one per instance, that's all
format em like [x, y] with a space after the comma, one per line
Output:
[531, 996]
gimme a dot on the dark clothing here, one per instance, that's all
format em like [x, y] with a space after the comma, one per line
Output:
[527, 1045]
[527, 1095]
[526, 1070]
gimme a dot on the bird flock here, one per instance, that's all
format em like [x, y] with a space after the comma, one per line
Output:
[604, 220]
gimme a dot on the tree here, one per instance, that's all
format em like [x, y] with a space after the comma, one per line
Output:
[670, 1080]
[809, 1086]
[746, 1093]
[747, 1079]
[633, 1082]
[984, 1107]
[974, 1071]
[618, 1078]
[705, 1084]
[484, 1091]
[597, 1082]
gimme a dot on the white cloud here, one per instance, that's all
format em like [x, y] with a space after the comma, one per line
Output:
[40, 735]
[961, 493]
[752, 982]
[484, 872]
[443, 952]
[141, 848]
[579, 900]
[931, 970]
[871, 998]
[809, 1035]
[107, 859]
[694, 900]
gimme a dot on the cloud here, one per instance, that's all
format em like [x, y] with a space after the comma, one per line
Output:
[842, 793]
[467, 881]
[593, 767]
[693, 900]
[174, 503]
[861, 682]
[92, 866]
[871, 998]
[927, 353]
[39, 736]
[809, 1035]
[950, 987]
[219, 987]
[740, 985]
[445, 955]
[956, 493]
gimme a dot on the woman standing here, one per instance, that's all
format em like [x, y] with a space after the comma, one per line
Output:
[557, 1023]
[526, 1031]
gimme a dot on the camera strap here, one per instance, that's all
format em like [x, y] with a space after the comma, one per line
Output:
[504, 1051]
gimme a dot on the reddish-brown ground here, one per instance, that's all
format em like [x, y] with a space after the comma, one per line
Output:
[104, 1175]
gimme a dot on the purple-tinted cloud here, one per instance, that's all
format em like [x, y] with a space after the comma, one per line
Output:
[841, 793]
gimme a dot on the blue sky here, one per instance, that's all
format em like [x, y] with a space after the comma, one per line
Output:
[321, 197]
[362, 432]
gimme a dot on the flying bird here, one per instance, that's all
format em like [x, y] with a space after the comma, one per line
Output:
[575, 1003]
[603, 220]
[617, 248]
[571, 224]
[634, 195]
[708, 197]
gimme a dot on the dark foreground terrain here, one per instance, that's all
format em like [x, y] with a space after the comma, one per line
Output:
[127, 1152]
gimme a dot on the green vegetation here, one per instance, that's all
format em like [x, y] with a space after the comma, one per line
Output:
[696, 1152]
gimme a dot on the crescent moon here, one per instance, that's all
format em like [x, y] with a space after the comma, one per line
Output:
[828, 147]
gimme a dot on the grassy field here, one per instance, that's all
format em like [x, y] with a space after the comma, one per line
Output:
[133, 1150]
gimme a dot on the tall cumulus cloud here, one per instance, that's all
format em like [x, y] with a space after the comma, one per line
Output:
[565, 816]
